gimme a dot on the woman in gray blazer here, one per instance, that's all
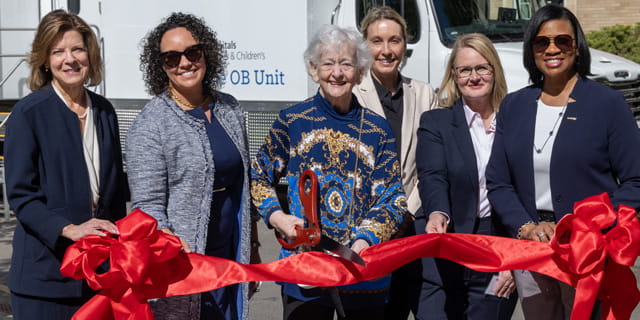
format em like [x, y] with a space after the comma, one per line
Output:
[188, 161]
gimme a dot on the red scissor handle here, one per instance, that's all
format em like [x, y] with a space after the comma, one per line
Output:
[310, 235]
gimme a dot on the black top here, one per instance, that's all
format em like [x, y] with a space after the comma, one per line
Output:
[392, 104]
[227, 188]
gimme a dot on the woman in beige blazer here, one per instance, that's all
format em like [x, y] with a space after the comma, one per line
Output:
[401, 101]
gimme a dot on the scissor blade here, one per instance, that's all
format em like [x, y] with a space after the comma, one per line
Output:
[337, 302]
[336, 248]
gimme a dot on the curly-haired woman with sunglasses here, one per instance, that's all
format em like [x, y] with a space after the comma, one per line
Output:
[558, 141]
[188, 160]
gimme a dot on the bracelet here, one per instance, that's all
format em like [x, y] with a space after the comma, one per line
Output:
[522, 228]
[255, 244]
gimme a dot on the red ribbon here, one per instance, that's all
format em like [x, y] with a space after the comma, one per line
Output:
[600, 258]
[147, 263]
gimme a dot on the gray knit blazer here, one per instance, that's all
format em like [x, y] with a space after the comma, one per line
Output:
[171, 171]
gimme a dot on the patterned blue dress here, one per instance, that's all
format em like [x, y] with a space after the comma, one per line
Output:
[361, 194]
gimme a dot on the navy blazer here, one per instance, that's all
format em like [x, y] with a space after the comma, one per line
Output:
[48, 186]
[596, 150]
[447, 168]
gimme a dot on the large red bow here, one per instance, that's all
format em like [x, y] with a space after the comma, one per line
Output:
[138, 259]
[146, 263]
[599, 245]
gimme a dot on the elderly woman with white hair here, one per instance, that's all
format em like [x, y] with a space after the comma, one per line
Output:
[352, 151]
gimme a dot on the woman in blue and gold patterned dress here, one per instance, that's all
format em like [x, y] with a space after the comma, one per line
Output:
[352, 151]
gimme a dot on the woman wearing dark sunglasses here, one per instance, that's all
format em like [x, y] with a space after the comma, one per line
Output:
[558, 141]
[188, 161]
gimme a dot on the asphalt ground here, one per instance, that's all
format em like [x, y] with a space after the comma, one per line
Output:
[6, 234]
[265, 304]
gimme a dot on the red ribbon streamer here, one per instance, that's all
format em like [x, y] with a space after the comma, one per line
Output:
[147, 263]
[600, 260]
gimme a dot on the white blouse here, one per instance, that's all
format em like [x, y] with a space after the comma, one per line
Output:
[482, 140]
[91, 151]
[548, 122]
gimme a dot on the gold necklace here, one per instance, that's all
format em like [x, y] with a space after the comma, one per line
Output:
[177, 99]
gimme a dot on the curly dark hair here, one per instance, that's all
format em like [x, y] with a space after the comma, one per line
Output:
[154, 75]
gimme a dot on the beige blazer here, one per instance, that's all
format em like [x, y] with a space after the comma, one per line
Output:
[418, 97]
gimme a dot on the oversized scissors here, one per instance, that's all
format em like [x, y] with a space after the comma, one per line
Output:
[312, 235]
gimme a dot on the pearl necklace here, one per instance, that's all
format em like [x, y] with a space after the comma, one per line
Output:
[69, 102]
[180, 101]
[539, 150]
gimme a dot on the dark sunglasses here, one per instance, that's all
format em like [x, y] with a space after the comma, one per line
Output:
[171, 59]
[564, 42]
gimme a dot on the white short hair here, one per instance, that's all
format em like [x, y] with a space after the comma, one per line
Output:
[333, 37]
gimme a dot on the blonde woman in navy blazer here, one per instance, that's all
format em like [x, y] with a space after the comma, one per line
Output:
[589, 139]
[63, 167]
[455, 144]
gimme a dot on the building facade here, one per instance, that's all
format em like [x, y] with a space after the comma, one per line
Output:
[596, 14]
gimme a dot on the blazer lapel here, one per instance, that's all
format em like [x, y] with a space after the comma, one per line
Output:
[408, 117]
[104, 142]
[517, 126]
[369, 94]
[70, 120]
[465, 145]
[75, 143]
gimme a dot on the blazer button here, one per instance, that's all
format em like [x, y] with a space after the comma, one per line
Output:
[559, 199]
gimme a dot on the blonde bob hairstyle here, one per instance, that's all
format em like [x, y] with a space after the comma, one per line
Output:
[449, 93]
[53, 24]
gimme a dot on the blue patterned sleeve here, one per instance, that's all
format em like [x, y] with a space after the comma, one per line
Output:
[389, 202]
[269, 165]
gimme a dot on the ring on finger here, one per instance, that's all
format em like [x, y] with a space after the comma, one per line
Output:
[541, 234]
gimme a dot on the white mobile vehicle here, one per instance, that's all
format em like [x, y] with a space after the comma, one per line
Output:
[265, 41]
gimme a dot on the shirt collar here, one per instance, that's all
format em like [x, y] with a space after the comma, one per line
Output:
[353, 113]
[382, 91]
[89, 103]
[472, 116]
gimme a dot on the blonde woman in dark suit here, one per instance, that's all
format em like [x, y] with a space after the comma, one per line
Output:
[455, 144]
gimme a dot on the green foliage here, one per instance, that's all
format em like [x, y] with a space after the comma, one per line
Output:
[622, 40]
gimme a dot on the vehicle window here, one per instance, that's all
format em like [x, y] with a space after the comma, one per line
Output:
[73, 6]
[407, 8]
[500, 20]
